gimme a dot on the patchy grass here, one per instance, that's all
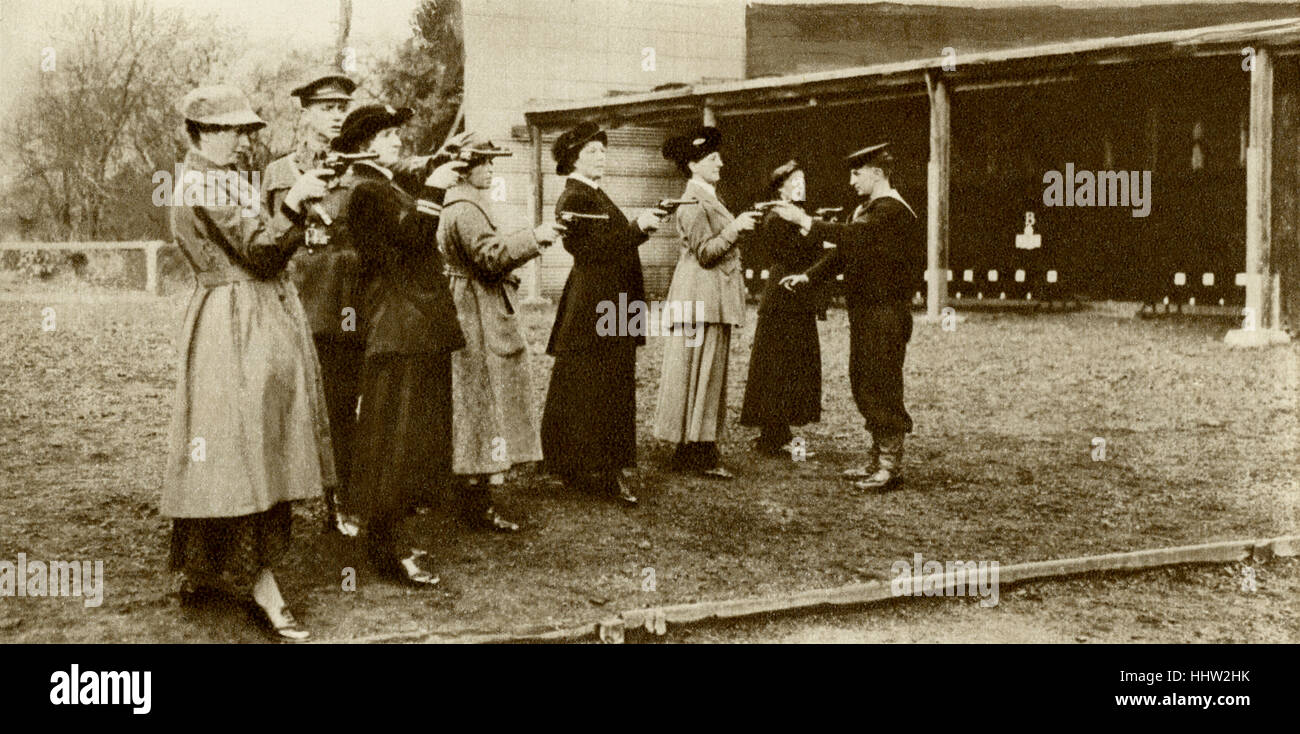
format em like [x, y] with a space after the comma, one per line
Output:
[1200, 440]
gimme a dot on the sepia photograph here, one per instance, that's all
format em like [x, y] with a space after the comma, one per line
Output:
[650, 321]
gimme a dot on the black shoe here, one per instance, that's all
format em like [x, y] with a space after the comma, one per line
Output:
[291, 630]
[409, 571]
[489, 519]
[620, 490]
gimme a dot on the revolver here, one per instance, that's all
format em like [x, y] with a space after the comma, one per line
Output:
[337, 163]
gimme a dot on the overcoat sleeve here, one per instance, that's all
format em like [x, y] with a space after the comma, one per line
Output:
[593, 241]
[709, 247]
[379, 218]
[492, 255]
[262, 245]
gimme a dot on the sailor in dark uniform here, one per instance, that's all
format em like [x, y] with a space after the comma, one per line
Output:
[878, 251]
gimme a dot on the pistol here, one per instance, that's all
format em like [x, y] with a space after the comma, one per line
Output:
[571, 217]
[822, 212]
[337, 163]
[671, 205]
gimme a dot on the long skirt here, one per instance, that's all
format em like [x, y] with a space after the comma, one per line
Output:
[340, 374]
[693, 387]
[784, 387]
[228, 553]
[589, 422]
[402, 445]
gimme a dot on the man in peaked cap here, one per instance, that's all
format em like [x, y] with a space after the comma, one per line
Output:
[879, 251]
[325, 271]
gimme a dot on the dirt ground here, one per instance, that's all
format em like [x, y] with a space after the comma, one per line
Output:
[1200, 445]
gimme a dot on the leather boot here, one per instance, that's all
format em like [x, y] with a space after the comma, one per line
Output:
[889, 474]
[872, 465]
[477, 511]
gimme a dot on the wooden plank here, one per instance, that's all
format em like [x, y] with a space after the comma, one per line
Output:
[867, 593]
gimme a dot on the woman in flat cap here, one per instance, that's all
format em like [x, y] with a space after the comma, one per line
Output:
[706, 300]
[402, 448]
[589, 423]
[784, 387]
[249, 432]
[493, 424]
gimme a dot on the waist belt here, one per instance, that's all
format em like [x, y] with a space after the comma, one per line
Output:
[455, 271]
[212, 278]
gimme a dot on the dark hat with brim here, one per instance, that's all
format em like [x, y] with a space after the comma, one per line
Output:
[567, 147]
[325, 84]
[872, 155]
[219, 104]
[365, 121]
[779, 174]
[683, 149]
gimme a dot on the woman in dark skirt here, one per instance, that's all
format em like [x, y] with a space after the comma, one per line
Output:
[784, 387]
[589, 422]
[402, 445]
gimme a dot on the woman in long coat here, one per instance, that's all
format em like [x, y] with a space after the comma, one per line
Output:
[706, 301]
[403, 446]
[589, 422]
[249, 432]
[784, 387]
[493, 424]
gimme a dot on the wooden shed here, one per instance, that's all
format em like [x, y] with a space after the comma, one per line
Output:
[1210, 114]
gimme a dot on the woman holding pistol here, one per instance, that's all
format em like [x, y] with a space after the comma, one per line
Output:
[589, 423]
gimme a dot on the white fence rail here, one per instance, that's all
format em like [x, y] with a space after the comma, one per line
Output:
[149, 247]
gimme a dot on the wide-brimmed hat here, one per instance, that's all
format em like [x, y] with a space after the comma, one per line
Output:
[324, 84]
[567, 147]
[683, 149]
[219, 104]
[365, 121]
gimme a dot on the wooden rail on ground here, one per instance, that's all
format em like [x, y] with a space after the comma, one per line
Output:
[150, 249]
[657, 619]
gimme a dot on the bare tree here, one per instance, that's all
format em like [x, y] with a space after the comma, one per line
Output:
[91, 132]
[428, 72]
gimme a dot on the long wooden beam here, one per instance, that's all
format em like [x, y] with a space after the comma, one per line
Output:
[937, 190]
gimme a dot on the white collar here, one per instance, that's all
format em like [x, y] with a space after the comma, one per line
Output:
[893, 194]
[706, 186]
[579, 177]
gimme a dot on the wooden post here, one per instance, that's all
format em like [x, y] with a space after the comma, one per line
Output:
[535, 139]
[1285, 205]
[151, 267]
[937, 186]
[1259, 325]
